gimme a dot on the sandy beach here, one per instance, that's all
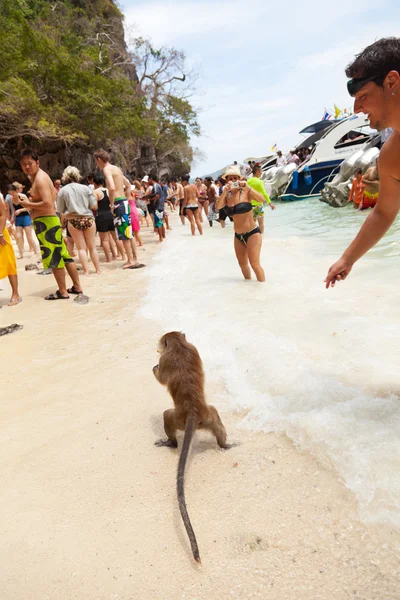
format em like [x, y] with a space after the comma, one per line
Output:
[88, 503]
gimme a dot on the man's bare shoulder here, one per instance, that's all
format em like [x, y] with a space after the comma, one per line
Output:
[388, 158]
[42, 178]
[113, 169]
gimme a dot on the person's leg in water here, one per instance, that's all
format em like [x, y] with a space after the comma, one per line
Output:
[254, 244]
[190, 216]
[105, 244]
[15, 297]
[90, 239]
[198, 221]
[242, 257]
[80, 242]
[19, 238]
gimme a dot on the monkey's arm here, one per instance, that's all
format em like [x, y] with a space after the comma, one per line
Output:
[161, 372]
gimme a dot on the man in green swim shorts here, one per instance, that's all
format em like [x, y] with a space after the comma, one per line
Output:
[257, 184]
[119, 191]
[48, 227]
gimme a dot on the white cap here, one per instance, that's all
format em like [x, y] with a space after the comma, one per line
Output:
[146, 179]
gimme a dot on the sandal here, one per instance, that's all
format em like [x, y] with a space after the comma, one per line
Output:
[15, 302]
[73, 290]
[57, 296]
[138, 266]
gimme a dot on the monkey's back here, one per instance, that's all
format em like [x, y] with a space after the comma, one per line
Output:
[186, 377]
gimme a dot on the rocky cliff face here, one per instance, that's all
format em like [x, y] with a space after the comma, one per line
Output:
[95, 26]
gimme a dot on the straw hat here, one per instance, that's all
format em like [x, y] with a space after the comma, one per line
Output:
[146, 179]
[233, 170]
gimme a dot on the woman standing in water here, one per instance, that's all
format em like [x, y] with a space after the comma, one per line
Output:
[237, 197]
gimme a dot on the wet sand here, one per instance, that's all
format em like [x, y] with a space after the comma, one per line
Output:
[88, 503]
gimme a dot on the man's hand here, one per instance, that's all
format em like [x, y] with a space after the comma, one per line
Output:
[272, 206]
[25, 204]
[337, 272]
[2, 241]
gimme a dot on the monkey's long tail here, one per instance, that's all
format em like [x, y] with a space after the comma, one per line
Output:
[190, 428]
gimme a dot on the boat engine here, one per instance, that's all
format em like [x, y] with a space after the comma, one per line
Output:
[336, 192]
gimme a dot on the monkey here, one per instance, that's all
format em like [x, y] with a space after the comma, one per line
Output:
[181, 369]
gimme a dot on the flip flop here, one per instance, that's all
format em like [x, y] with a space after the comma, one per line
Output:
[73, 290]
[57, 296]
[138, 266]
[14, 302]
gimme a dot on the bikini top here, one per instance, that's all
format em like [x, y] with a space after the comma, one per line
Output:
[239, 209]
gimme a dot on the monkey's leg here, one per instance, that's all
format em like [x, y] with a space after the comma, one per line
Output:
[170, 430]
[215, 425]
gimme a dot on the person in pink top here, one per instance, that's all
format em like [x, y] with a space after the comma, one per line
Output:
[135, 219]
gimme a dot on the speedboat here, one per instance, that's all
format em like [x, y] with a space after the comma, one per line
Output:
[331, 143]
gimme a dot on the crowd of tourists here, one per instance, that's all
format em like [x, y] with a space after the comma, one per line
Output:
[75, 218]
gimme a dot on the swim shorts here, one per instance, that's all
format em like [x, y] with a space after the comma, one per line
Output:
[122, 221]
[158, 218]
[369, 200]
[23, 220]
[104, 222]
[258, 211]
[52, 246]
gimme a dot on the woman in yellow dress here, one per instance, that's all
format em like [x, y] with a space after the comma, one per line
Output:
[8, 264]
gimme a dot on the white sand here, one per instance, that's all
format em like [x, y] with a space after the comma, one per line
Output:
[88, 503]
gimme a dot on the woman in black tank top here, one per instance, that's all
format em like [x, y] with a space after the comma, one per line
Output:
[105, 220]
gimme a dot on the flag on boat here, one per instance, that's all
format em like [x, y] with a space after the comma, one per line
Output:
[326, 116]
[337, 111]
[274, 148]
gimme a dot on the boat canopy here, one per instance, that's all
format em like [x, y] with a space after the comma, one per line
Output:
[310, 140]
[314, 127]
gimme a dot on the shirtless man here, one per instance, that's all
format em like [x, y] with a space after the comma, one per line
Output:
[119, 189]
[375, 85]
[190, 206]
[47, 226]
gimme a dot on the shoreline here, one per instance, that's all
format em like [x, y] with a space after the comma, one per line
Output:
[89, 503]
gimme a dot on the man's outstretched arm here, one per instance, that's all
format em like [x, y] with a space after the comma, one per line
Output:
[377, 223]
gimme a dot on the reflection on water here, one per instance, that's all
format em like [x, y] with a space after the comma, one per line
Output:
[320, 365]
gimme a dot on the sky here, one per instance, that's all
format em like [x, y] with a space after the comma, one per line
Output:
[267, 69]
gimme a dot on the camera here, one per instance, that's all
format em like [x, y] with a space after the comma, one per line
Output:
[235, 184]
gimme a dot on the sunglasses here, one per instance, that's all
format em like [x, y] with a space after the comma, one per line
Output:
[357, 83]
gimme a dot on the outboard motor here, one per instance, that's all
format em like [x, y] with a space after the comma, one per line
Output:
[280, 180]
[336, 192]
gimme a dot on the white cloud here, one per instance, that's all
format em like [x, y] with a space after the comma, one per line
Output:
[269, 69]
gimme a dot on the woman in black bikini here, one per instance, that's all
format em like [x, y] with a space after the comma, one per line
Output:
[237, 197]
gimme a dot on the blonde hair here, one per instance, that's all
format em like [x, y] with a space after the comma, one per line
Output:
[70, 175]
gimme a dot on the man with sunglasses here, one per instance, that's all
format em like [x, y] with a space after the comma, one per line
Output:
[375, 86]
